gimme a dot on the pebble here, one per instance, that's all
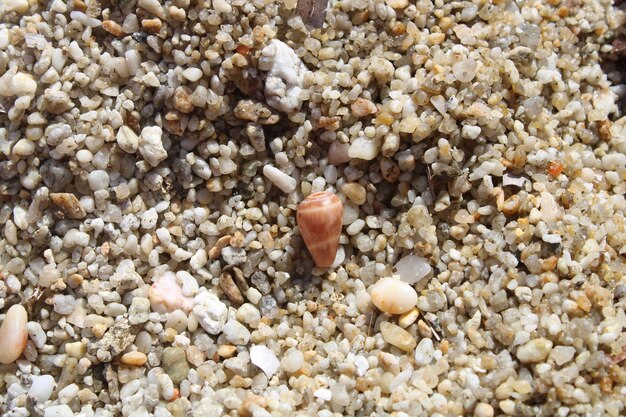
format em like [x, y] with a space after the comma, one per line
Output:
[397, 336]
[362, 107]
[412, 269]
[230, 288]
[58, 411]
[355, 192]
[13, 334]
[127, 139]
[534, 351]
[193, 74]
[41, 388]
[134, 358]
[285, 76]
[236, 333]
[265, 359]
[175, 364]
[151, 146]
[483, 410]
[408, 318]
[166, 294]
[363, 148]
[210, 312]
[424, 352]
[98, 180]
[69, 205]
[23, 85]
[292, 361]
[283, 181]
[393, 296]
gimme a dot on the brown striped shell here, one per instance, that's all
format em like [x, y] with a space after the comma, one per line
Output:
[320, 218]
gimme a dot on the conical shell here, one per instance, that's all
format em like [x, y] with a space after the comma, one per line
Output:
[320, 217]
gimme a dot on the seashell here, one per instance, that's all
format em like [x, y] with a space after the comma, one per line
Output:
[13, 334]
[320, 218]
[393, 296]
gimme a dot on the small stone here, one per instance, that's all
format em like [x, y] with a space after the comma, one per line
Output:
[221, 243]
[151, 146]
[534, 351]
[222, 6]
[562, 354]
[363, 148]
[58, 411]
[256, 136]
[355, 192]
[113, 28]
[260, 282]
[193, 74]
[292, 361]
[210, 312]
[227, 284]
[393, 296]
[362, 107]
[236, 333]
[398, 4]
[175, 364]
[397, 336]
[408, 318]
[268, 306]
[483, 410]
[98, 180]
[42, 388]
[69, 205]
[23, 84]
[56, 101]
[265, 359]
[424, 352]
[166, 294]
[286, 183]
[254, 111]
[234, 256]
[127, 139]
[470, 132]
[182, 99]
[134, 358]
[412, 269]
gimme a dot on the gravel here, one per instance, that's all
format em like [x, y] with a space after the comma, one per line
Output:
[154, 155]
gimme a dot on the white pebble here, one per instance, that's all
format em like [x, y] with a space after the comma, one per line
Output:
[286, 183]
[98, 180]
[393, 296]
[193, 74]
[363, 148]
[151, 146]
[58, 411]
[413, 269]
[41, 388]
[210, 312]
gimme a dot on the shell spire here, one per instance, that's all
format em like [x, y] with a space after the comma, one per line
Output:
[320, 218]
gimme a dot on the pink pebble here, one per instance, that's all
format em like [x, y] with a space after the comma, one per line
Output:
[166, 294]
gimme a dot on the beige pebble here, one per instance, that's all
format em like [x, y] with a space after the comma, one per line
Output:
[75, 349]
[226, 351]
[393, 296]
[397, 336]
[483, 410]
[13, 334]
[221, 243]
[363, 107]
[69, 205]
[355, 192]
[134, 358]
[408, 318]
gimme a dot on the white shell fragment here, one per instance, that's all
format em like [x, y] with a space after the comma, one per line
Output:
[393, 296]
[265, 359]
